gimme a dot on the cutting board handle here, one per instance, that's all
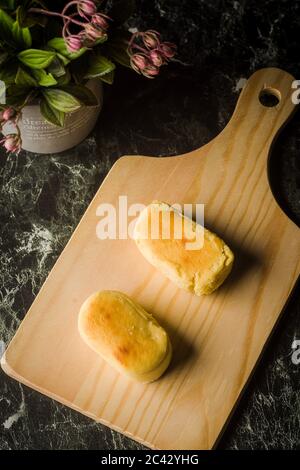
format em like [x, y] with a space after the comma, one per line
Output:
[250, 111]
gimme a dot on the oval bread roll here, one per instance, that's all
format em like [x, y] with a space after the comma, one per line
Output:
[125, 335]
[168, 240]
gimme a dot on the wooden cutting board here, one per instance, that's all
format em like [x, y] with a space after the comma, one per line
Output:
[217, 339]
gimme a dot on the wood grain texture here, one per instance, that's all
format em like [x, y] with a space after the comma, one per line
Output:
[217, 339]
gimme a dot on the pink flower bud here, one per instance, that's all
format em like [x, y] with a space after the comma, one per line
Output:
[156, 58]
[93, 32]
[87, 7]
[151, 71]
[8, 114]
[12, 143]
[151, 39]
[167, 49]
[100, 21]
[139, 62]
[74, 43]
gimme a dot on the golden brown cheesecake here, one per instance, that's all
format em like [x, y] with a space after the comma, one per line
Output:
[197, 260]
[125, 335]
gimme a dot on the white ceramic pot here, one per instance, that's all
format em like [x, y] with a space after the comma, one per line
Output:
[39, 136]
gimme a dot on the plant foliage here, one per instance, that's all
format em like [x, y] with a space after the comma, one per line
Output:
[37, 64]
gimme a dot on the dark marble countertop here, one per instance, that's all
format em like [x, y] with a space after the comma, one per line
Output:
[44, 196]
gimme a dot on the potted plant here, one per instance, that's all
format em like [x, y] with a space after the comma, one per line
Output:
[54, 57]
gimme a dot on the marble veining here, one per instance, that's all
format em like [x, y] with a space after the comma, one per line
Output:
[44, 196]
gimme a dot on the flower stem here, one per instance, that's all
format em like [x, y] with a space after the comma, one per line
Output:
[53, 13]
[74, 2]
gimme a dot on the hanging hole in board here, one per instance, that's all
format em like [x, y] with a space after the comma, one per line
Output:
[269, 97]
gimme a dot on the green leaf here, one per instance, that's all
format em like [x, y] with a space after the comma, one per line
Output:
[16, 95]
[64, 79]
[116, 49]
[56, 67]
[64, 59]
[21, 15]
[79, 67]
[24, 79]
[8, 4]
[3, 57]
[22, 36]
[59, 45]
[108, 78]
[43, 78]
[6, 24]
[82, 93]
[36, 59]
[99, 66]
[61, 100]
[52, 114]
[119, 55]
[31, 20]
[8, 73]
